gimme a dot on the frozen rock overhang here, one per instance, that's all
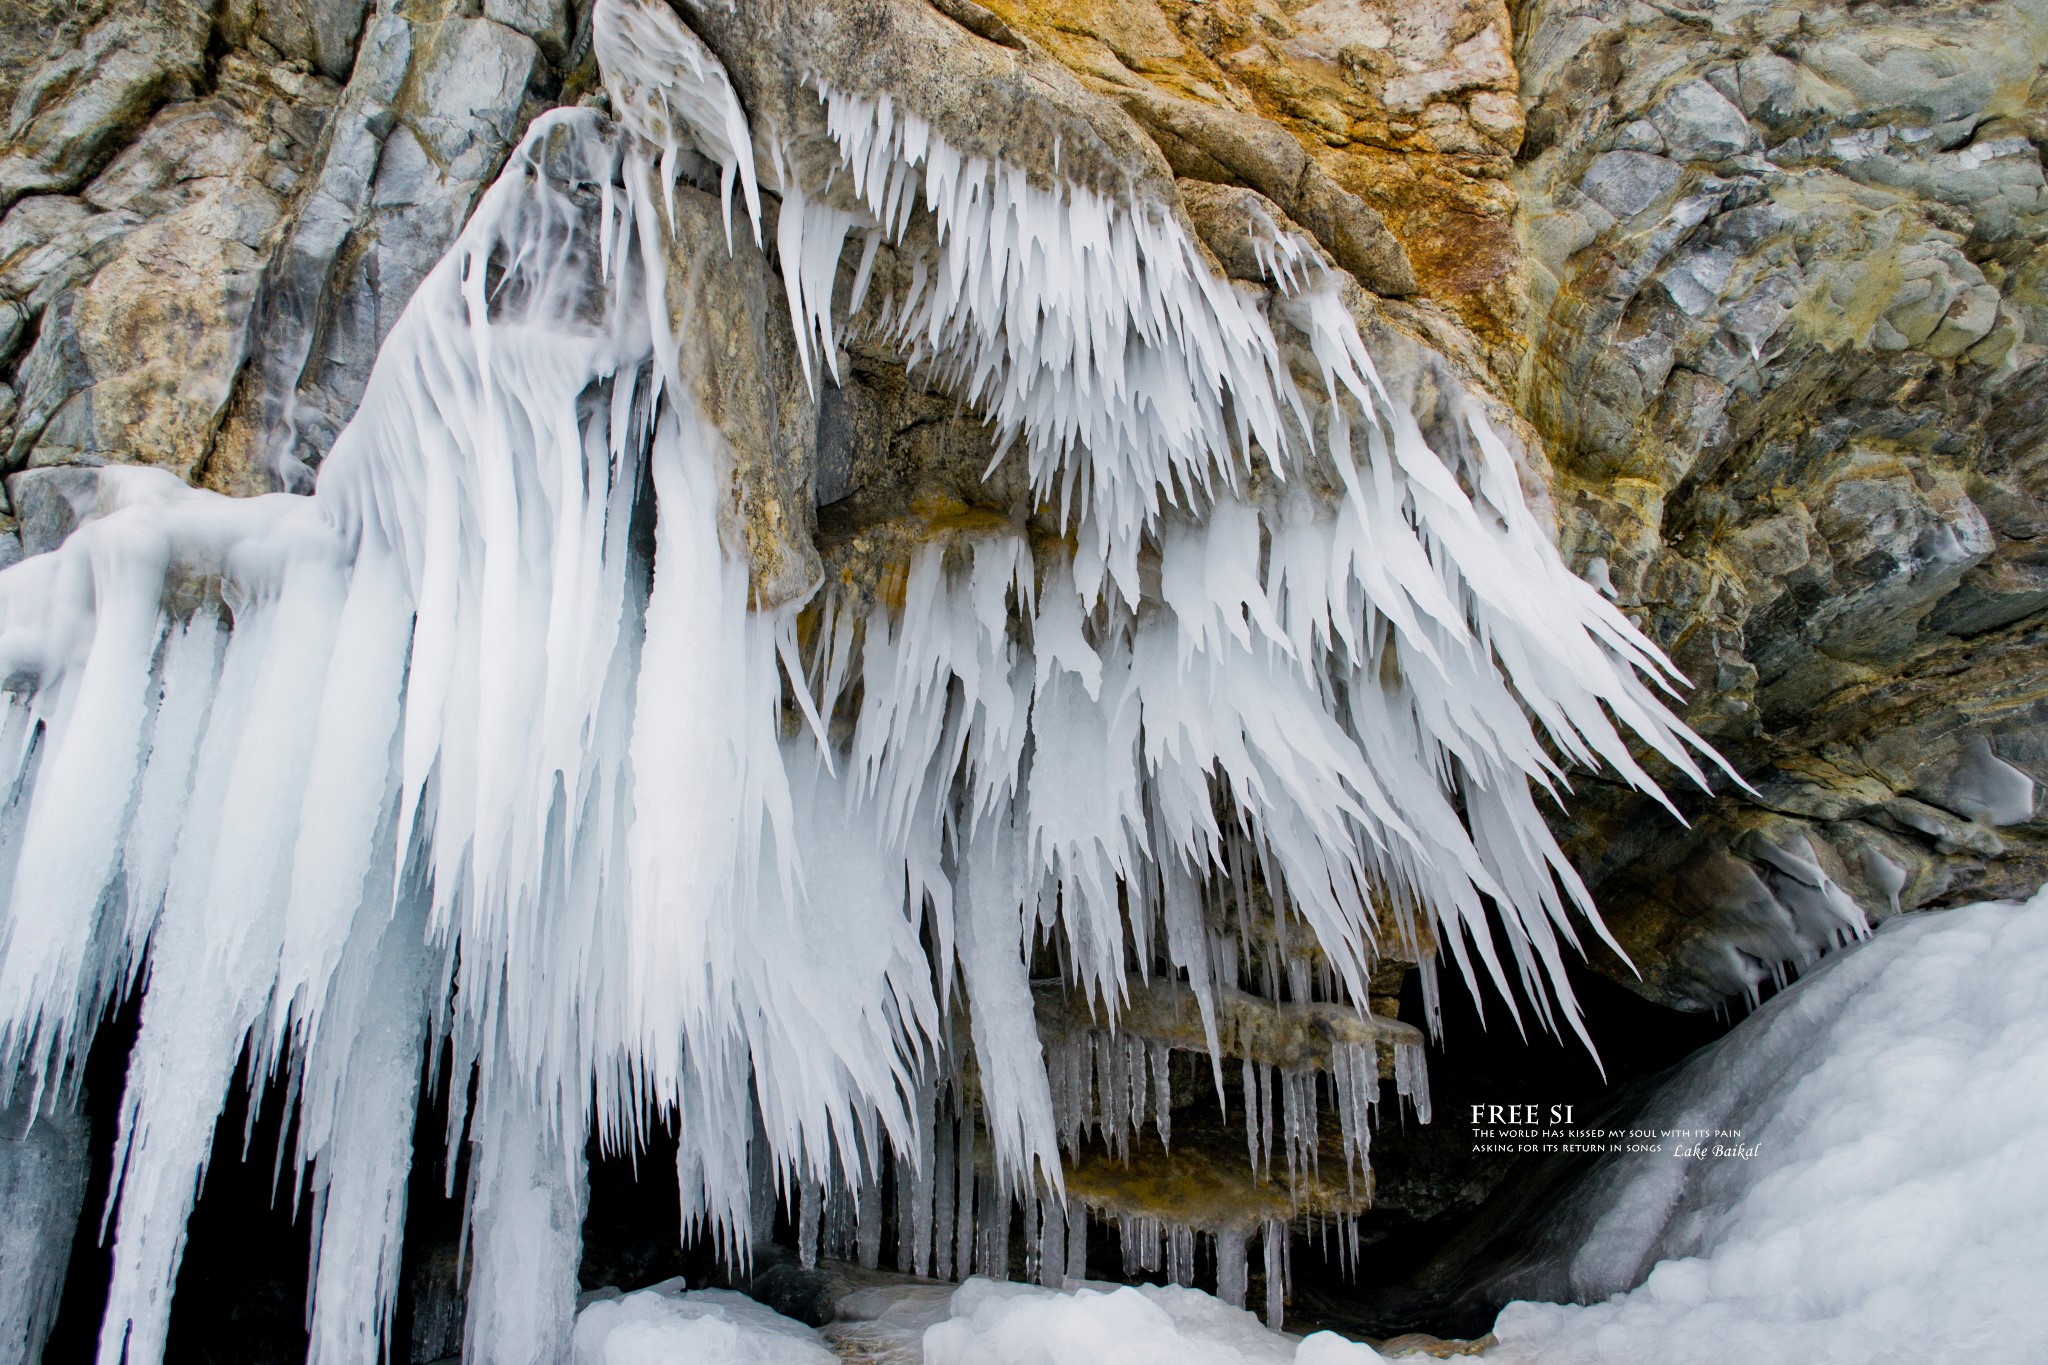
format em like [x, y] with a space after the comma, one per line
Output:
[531, 732]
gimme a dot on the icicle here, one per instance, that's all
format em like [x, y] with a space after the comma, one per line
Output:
[1052, 1243]
[1411, 1077]
[1034, 1244]
[1252, 1108]
[1187, 946]
[1268, 1083]
[1141, 1238]
[1231, 1273]
[526, 1230]
[944, 1177]
[1354, 1081]
[1181, 1246]
[869, 1235]
[1135, 1054]
[1077, 1242]
[762, 1195]
[1162, 1094]
[907, 1259]
[216, 949]
[356, 1128]
[841, 1220]
[1061, 1077]
[992, 1233]
[963, 1237]
[668, 88]
[810, 1198]
[1298, 1123]
[1016, 1096]
[923, 1177]
[1276, 1274]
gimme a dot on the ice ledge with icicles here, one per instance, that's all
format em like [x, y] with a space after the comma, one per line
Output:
[447, 756]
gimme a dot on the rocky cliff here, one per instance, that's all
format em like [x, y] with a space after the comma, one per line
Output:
[1764, 285]
[1761, 281]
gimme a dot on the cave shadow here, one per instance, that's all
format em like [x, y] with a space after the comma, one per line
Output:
[241, 1291]
[240, 1297]
[1447, 1217]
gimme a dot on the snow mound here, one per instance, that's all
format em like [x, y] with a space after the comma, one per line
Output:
[1896, 1206]
[1016, 1324]
[666, 1325]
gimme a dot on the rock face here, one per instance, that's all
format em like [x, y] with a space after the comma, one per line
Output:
[1761, 289]
[1388, 130]
[201, 253]
[1784, 351]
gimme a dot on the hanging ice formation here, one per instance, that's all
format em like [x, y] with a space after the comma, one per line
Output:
[455, 752]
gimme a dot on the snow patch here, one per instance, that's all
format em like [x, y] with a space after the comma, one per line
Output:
[668, 1325]
[1014, 1324]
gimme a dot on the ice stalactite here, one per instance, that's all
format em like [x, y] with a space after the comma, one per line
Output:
[1277, 1251]
[1231, 1270]
[43, 1170]
[488, 743]
[527, 1196]
[358, 1134]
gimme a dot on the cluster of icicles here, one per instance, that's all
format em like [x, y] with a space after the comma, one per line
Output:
[435, 759]
[1103, 1082]
[954, 1217]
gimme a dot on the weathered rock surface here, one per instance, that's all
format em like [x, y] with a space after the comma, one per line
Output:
[1785, 356]
[729, 318]
[202, 254]
[1388, 130]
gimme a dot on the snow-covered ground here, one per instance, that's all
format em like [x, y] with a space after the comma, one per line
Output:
[982, 1323]
[1895, 1208]
[1014, 1324]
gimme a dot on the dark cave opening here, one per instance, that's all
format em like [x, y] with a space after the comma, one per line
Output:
[1432, 1187]
[241, 1289]
[241, 1295]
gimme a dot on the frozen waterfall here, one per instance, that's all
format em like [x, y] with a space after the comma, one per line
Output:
[495, 744]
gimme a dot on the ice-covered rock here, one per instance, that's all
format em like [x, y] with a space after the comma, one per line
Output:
[1775, 313]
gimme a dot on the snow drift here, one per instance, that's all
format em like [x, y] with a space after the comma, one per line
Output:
[1894, 1206]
